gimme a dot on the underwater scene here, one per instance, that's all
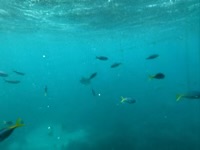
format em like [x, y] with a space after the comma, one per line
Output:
[99, 75]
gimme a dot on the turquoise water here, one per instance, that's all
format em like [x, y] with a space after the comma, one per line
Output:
[55, 43]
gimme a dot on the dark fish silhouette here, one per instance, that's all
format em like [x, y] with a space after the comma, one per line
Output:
[12, 81]
[45, 90]
[102, 58]
[19, 73]
[153, 56]
[157, 76]
[93, 75]
[3, 74]
[93, 92]
[86, 81]
[115, 65]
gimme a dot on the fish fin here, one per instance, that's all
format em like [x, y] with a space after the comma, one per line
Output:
[17, 124]
[122, 99]
[151, 77]
[178, 97]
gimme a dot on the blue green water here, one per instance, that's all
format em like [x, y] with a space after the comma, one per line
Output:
[55, 43]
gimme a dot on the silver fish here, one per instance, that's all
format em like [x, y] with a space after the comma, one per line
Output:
[3, 74]
[12, 81]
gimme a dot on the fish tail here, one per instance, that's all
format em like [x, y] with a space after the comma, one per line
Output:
[178, 97]
[17, 124]
[151, 77]
[122, 99]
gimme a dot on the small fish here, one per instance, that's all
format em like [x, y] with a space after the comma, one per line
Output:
[102, 58]
[85, 81]
[127, 100]
[45, 90]
[12, 81]
[115, 65]
[189, 95]
[153, 56]
[19, 73]
[3, 74]
[6, 132]
[93, 75]
[93, 92]
[157, 76]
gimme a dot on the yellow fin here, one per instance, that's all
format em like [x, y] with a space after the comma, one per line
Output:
[151, 77]
[178, 97]
[17, 124]
[122, 99]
